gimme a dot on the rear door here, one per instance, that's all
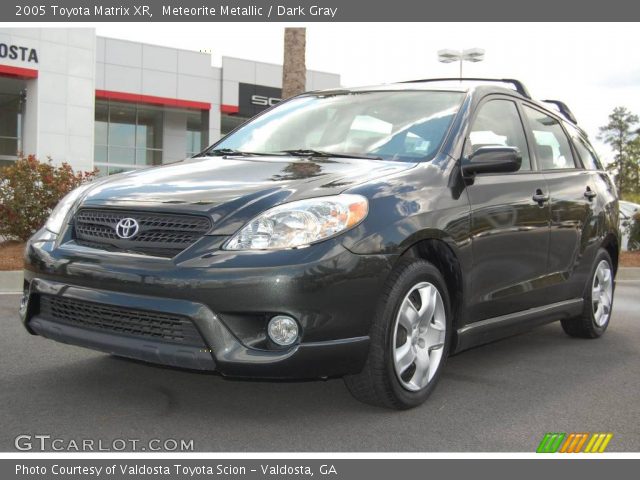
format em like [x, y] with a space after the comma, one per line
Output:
[573, 194]
[509, 229]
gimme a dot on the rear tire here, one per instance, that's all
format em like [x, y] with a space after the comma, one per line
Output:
[409, 339]
[598, 301]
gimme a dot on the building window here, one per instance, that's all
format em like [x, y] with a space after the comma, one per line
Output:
[127, 136]
[197, 132]
[10, 127]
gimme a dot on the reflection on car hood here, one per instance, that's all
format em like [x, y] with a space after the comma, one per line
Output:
[220, 185]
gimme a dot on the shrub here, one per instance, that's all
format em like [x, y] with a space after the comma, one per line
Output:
[29, 190]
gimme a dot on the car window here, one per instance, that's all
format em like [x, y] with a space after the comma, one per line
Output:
[551, 144]
[498, 123]
[587, 155]
[628, 209]
[393, 125]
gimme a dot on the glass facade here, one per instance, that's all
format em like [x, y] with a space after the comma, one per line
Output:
[197, 132]
[10, 127]
[127, 136]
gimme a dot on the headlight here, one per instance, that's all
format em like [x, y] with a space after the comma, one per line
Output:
[300, 223]
[56, 218]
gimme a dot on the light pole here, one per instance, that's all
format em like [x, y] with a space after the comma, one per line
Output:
[468, 55]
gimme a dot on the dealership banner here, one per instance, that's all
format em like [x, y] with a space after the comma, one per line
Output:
[314, 11]
[342, 469]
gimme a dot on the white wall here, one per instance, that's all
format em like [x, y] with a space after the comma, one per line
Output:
[59, 112]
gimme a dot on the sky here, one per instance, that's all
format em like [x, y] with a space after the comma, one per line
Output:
[591, 67]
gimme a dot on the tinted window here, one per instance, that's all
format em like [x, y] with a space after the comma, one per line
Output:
[551, 144]
[586, 153]
[397, 125]
[498, 123]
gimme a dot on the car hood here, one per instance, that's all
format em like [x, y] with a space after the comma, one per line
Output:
[220, 186]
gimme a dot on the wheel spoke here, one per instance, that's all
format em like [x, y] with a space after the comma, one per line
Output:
[434, 337]
[404, 356]
[421, 375]
[605, 298]
[428, 296]
[409, 316]
[597, 314]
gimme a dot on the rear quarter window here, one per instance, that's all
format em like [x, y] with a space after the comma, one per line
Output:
[588, 156]
[551, 144]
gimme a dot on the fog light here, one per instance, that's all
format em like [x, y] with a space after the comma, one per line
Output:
[283, 330]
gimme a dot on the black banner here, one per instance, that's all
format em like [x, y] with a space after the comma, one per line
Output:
[315, 11]
[352, 469]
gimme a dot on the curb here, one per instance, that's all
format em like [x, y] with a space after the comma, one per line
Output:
[11, 281]
[628, 273]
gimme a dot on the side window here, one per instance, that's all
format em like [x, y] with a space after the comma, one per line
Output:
[585, 151]
[498, 123]
[551, 143]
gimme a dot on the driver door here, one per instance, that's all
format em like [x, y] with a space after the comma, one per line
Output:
[509, 229]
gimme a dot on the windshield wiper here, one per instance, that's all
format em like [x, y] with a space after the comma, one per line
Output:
[303, 152]
[221, 152]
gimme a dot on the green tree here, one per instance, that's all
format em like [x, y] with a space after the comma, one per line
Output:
[633, 165]
[621, 133]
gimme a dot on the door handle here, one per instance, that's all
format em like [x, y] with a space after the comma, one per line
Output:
[540, 197]
[590, 194]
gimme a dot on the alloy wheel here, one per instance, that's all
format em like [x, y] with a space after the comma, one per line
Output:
[602, 293]
[419, 336]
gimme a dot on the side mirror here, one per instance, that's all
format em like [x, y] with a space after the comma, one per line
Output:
[492, 159]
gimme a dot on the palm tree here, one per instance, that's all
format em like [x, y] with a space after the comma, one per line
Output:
[294, 71]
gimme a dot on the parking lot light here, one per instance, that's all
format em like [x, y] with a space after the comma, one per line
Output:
[469, 55]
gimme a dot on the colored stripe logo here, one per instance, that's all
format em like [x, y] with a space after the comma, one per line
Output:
[574, 442]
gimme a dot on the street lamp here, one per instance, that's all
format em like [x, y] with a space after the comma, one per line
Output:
[468, 55]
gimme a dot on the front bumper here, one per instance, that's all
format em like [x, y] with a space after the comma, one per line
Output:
[229, 297]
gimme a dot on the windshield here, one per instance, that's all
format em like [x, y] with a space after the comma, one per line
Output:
[398, 125]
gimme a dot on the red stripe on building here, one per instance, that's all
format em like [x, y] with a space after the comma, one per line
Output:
[229, 108]
[18, 72]
[151, 100]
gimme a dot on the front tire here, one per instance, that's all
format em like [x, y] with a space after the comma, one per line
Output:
[410, 339]
[598, 301]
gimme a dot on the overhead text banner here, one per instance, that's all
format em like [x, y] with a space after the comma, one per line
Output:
[315, 11]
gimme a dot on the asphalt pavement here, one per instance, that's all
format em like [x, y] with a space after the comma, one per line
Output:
[500, 397]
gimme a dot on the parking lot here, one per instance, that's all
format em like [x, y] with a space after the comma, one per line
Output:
[500, 397]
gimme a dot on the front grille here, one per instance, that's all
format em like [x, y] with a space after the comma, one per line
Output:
[119, 320]
[159, 233]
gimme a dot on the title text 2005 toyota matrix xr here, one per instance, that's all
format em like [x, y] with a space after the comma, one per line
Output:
[366, 233]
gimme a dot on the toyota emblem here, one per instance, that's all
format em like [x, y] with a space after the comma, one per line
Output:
[127, 228]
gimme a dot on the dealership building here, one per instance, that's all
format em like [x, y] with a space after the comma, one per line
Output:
[91, 101]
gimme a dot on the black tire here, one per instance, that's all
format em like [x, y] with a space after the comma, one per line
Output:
[378, 384]
[585, 325]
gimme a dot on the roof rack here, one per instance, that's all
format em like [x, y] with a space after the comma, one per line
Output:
[564, 110]
[519, 86]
